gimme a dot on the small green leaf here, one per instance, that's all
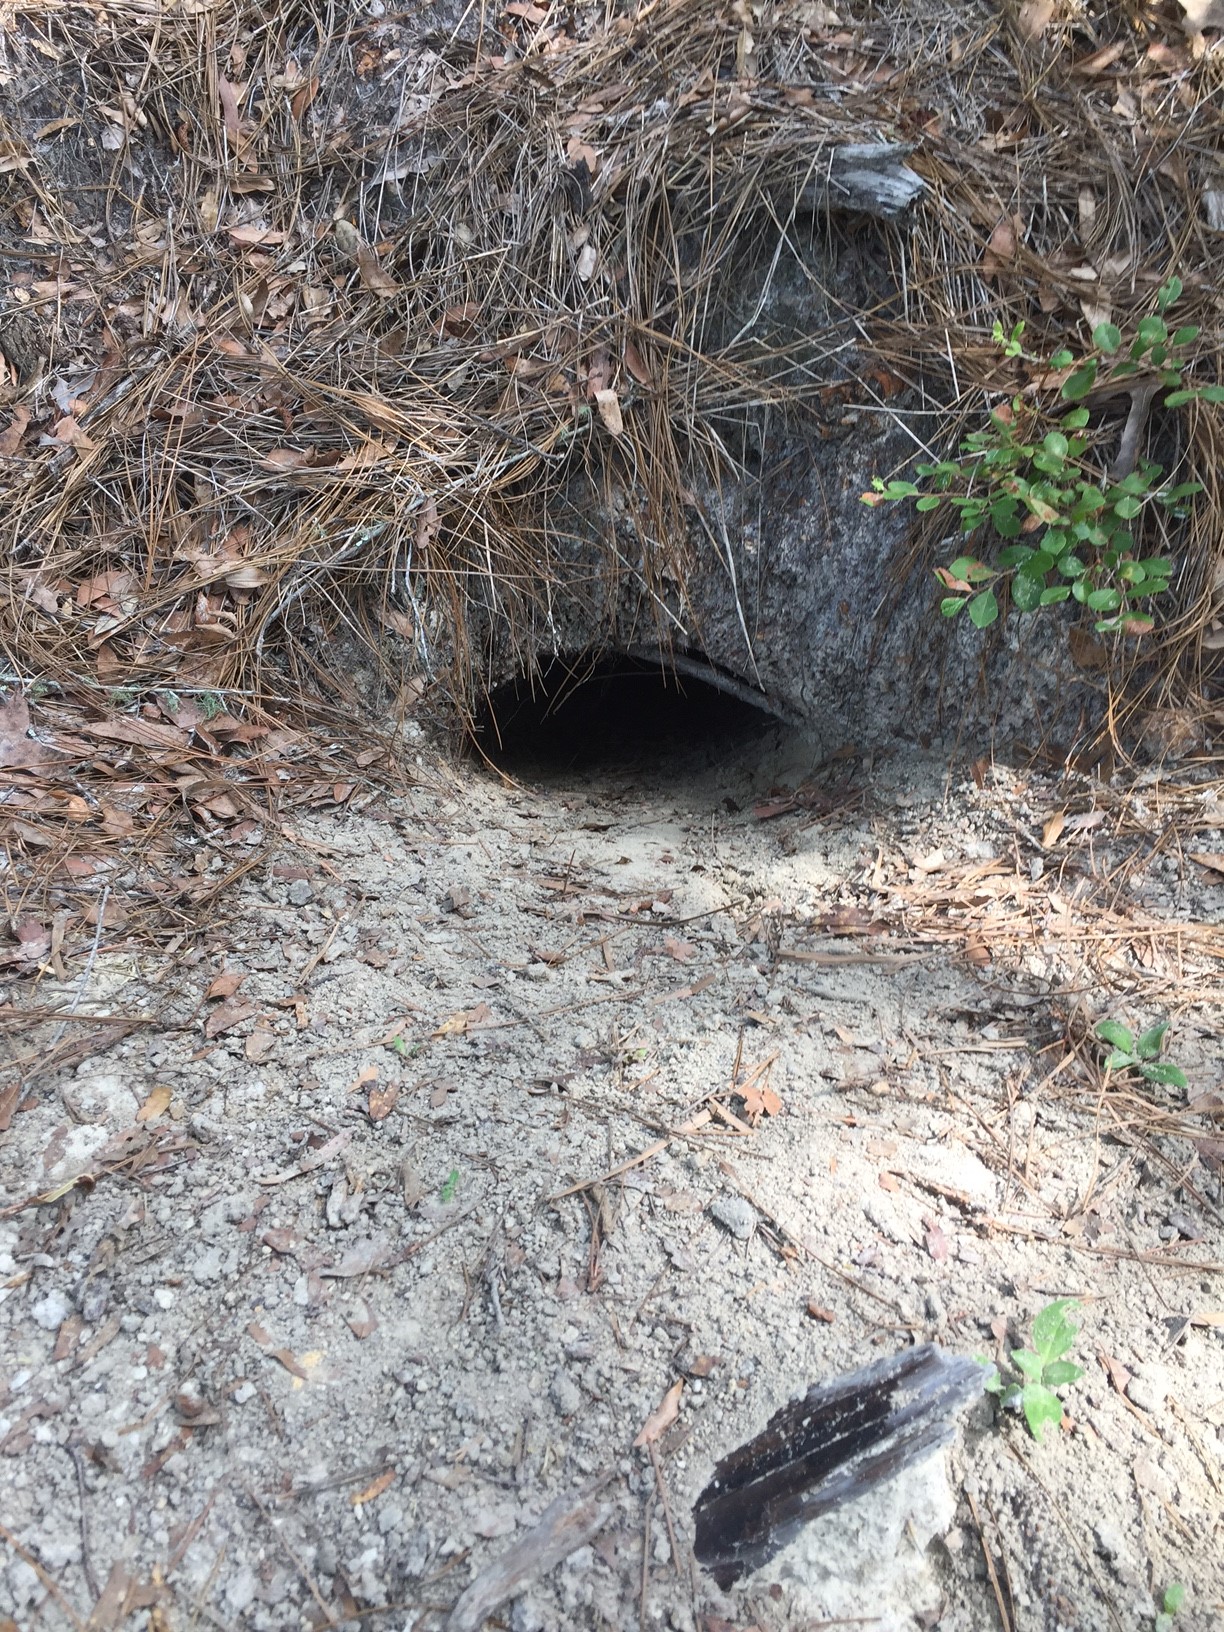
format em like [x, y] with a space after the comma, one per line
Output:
[1026, 592]
[1120, 1059]
[1005, 516]
[1053, 1333]
[1038, 564]
[1104, 600]
[1051, 597]
[1062, 359]
[1041, 1406]
[1077, 386]
[901, 490]
[1109, 1031]
[1169, 293]
[1152, 1041]
[1183, 490]
[1056, 443]
[1174, 1598]
[983, 609]
[1169, 1076]
[1071, 566]
[967, 567]
[1183, 336]
[1178, 399]
[1151, 332]
[1212, 393]
[929, 501]
[1107, 337]
[951, 605]
[1014, 554]
[1061, 1372]
[447, 1192]
[1078, 417]
[1028, 1363]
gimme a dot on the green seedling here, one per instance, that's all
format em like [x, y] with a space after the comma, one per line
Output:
[1042, 1369]
[1142, 1054]
[451, 1185]
[1173, 1599]
[1044, 517]
[400, 1045]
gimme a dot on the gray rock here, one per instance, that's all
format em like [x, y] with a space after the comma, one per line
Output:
[734, 1214]
[566, 1395]
[300, 892]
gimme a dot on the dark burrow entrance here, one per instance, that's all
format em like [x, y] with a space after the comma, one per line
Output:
[618, 711]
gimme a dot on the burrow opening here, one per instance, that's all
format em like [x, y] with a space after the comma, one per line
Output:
[617, 711]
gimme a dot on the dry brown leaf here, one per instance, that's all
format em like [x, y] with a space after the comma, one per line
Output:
[226, 1015]
[10, 439]
[636, 364]
[135, 729]
[456, 1024]
[1003, 245]
[1052, 829]
[1213, 861]
[157, 1104]
[249, 236]
[377, 281]
[363, 1323]
[817, 1311]
[259, 1044]
[383, 1101]
[225, 984]
[1034, 18]
[661, 1419]
[375, 1488]
[608, 404]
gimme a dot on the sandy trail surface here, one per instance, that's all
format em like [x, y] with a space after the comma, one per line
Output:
[494, 1111]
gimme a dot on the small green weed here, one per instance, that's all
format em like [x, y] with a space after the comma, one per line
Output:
[1142, 1054]
[1042, 1369]
[451, 1185]
[211, 705]
[1175, 1596]
[1064, 530]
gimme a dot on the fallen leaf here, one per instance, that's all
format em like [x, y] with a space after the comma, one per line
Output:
[1213, 861]
[817, 1311]
[375, 1488]
[888, 1181]
[608, 404]
[1052, 829]
[226, 1015]
[760, 1102]
[156, 1105]
[661, 1419]
[11, 438]
[457, 1024]
[1002, 246]
[362, 1324]
[936, 1242]
[682, 951]
[368, 1073]
[1034, 18]
[383, 1101]
[1118, 1374]
[372, 275]
[225, 984]
[259, 1044]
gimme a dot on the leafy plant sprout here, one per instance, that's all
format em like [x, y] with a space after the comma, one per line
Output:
[1142, 1054]
[1065, 531]
[1174, 1598]
[1041, 1369]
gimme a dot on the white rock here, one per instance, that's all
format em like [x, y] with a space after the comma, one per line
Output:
[51, 1312]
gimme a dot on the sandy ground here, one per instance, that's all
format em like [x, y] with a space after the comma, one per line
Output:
[493, 1112]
